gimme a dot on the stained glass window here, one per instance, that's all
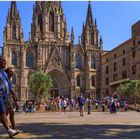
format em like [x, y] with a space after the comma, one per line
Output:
[29, 58]
[93, 62]
[78, 61]
[14, 58]
[51, 21]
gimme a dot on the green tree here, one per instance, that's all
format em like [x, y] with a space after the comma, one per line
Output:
[130, 90]
[40, 84]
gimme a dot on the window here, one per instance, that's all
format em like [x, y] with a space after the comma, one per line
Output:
[115, 77]
[107, 81]
[78, 61]
[93, 81]
[134, 69]
[134, 42]
[93, 62]
[107, 69]
[123, 51]
[115, 56]
[78, 81]
[14, 58]
[123, 61]
[106, 59]
[13, 32]
[29, 58]
[40, 22]
[51, 22]
[133, 53]
[124, 74]
[115, 66]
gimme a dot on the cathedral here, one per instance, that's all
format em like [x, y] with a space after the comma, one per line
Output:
[50, 48]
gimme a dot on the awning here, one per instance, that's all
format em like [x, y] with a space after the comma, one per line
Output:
[119, 82]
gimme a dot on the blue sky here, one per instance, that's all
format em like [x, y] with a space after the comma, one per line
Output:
[114, 19]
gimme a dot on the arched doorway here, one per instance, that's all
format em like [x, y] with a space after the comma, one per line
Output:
[60, 83]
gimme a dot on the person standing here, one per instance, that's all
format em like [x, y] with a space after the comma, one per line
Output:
[112, 106]
[4, 92]
[81, 102]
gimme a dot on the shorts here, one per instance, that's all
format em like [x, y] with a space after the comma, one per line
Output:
[81, 107]
[2, 106]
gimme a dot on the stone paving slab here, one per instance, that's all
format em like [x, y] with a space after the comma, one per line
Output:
[98, 125]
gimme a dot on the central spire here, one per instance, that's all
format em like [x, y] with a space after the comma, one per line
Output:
[13, 9]
[89, 19]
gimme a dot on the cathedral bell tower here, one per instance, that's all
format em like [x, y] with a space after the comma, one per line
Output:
[13, 36]
[13, 29]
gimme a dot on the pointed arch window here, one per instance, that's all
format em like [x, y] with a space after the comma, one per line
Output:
[13, 32]
[78, 81]
[14, 79]
[51, 21]
[14, 58]
[29, 58]
[93, 62]
[78, 61]
[40, 23]
[93, 81]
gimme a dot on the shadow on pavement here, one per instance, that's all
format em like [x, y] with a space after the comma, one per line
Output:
[64, 131]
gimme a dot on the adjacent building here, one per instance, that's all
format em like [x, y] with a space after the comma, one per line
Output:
[121, 64]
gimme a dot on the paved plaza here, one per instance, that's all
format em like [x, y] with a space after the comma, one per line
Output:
[54, 125]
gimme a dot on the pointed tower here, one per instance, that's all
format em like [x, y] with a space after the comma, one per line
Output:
[92, 49]
[13, 29]
[13, 36]
[89, 19]
[90, 31]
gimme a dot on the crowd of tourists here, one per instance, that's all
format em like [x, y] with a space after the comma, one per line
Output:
[61, 104]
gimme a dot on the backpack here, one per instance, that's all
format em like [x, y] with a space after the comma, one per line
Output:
[64, 104]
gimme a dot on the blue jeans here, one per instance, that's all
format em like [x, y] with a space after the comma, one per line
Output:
[2, 106]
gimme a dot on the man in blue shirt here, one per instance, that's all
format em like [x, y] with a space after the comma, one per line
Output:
[81, 102]
[4, 92]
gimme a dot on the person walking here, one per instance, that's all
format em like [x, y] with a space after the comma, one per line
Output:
[4, 92]
[9, 103]
[89, 105]
[64, 105]
[81, 102]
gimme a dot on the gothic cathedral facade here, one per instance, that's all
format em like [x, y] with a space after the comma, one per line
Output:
[50, 48]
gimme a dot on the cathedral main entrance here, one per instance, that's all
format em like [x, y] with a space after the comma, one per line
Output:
[61, 85]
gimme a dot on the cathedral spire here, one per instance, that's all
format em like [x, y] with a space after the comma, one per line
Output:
[13, 29]
[72, 35]
[101, 42]
[89, 19]
[13, 9]
[95, 23]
